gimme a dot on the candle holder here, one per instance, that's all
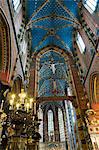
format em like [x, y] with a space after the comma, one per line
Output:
[22, 117]
[21, 102]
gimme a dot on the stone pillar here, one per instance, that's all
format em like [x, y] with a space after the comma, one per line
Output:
[56, 125]
[82, 129]
[66, 126]
[45, 126]
[31, 88]
[80, 104]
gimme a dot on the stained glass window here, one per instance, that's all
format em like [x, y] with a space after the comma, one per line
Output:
[40, 116]
[69, 91]
[90, 5]
[50, 125]
[16, 4]
[80, 43]
[61, 125]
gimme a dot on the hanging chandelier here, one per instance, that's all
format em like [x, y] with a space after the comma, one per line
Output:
[22, 102]
[22, 116]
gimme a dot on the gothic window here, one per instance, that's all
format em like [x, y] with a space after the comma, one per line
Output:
[94, 88]
[40, 116]
[72, 112]
[71, 123]
[69, 91]
[90, 5]
[17, 85]
[50, 125]
[16, 4]
[61, 125]
[80, 43]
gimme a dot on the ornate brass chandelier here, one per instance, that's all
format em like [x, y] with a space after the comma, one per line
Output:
[23, 121]
[22, 102]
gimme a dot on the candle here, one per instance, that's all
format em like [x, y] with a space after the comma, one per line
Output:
[34, 108]
[11, 102]
[31, 103]
[22, 95]
[2, 104]
[17, 106]
[27, 106]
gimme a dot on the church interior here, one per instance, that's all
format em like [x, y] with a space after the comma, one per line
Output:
[49, 75]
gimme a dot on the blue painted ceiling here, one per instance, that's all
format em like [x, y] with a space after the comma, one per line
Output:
[52, 22]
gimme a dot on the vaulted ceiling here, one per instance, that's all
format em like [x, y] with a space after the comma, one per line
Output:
[52, 22]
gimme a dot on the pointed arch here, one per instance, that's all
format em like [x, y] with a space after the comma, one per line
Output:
[40, 116]
[38, 55]
[5, 59]
[50, 125]
[17, 84]
[61, 125]
[94, 87]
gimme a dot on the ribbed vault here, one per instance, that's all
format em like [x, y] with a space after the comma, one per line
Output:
[52, 22]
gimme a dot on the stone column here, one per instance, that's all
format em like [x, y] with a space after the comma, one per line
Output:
[82, 129]
[31, 88]
[56, 125]
[80, 104]
[68, 147]
[45, 126]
